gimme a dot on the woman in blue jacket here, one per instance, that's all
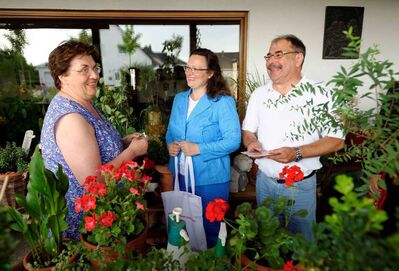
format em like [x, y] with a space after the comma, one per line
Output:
[204, 124]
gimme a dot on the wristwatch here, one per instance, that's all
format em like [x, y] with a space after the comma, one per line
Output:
[298, 154]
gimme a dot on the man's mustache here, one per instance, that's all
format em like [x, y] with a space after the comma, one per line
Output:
[274, 66]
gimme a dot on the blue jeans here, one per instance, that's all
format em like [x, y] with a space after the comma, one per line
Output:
[304, 196]
[209, 193]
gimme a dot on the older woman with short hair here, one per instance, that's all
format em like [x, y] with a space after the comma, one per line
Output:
[75, 134]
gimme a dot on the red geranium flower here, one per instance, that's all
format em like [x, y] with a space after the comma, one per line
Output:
[88, 203]
[291, 175]
[106, 168]
[216, 210]
[112, 206]
[90, 222]
[96, 188]
[107, 218]
[289, 266]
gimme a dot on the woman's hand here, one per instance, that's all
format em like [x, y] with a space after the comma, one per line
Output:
[189, 148]
[128, 139]
[174, 148]
[138, 144]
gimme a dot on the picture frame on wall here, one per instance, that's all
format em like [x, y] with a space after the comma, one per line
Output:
[337, 20]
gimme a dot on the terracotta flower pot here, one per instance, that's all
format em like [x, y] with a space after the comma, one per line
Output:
[109, 255]
[26, 262]
[165, 178]
[27, 265]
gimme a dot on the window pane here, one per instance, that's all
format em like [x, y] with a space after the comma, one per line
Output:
[224, 40]
[143, 47]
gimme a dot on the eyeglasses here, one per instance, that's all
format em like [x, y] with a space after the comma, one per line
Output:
[279, 54]
[87, 70]
[193, 70]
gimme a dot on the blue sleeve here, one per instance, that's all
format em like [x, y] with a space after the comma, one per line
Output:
[168, 136]
[229, 125]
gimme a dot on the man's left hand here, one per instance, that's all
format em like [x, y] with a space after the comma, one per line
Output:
[188, 148]
[282, 155]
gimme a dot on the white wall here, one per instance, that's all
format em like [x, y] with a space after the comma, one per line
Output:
[267, 19]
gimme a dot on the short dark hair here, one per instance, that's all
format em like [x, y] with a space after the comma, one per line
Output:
[296, 43]
[217, 85]
[60, 58]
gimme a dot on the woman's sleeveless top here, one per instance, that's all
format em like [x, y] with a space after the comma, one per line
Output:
[108, 139]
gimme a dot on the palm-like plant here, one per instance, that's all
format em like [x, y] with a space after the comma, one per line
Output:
[130, 42]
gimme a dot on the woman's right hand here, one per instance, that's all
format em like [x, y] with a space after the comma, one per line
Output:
[174, 148]
[139, 145]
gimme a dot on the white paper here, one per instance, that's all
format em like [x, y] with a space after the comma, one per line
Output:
[255, 154]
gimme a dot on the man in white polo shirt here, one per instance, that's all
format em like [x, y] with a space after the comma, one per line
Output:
[271, 124]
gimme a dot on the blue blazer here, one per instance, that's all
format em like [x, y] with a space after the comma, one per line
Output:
[214, 126]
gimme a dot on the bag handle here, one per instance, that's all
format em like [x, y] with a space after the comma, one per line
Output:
[188, 169]
[176, 186]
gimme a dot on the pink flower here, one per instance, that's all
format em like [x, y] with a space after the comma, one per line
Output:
[139, 205]
[134, 191]
[145, 179]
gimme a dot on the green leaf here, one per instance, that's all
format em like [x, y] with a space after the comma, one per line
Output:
[344, 184]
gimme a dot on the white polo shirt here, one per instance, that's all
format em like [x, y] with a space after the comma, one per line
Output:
[276, 124]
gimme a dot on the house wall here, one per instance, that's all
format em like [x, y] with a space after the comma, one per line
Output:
[267, 19]
[113, 60]
[45, 76]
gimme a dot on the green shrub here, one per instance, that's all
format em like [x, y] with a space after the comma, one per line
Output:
[13, 158]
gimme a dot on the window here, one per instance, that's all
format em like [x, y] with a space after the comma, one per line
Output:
[45, 29]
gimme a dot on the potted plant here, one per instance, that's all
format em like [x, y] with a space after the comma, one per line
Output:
[45, 208]
[14, 164]
[259, 237]
[113, 208]
[349, 238]
[259, 240]
[373, 133]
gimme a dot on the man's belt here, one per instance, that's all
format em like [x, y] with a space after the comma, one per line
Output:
[306, 177]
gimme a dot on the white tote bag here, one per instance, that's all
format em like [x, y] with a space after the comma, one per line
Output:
[191, 205]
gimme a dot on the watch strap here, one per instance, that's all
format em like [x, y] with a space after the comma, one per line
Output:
[298, 154]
